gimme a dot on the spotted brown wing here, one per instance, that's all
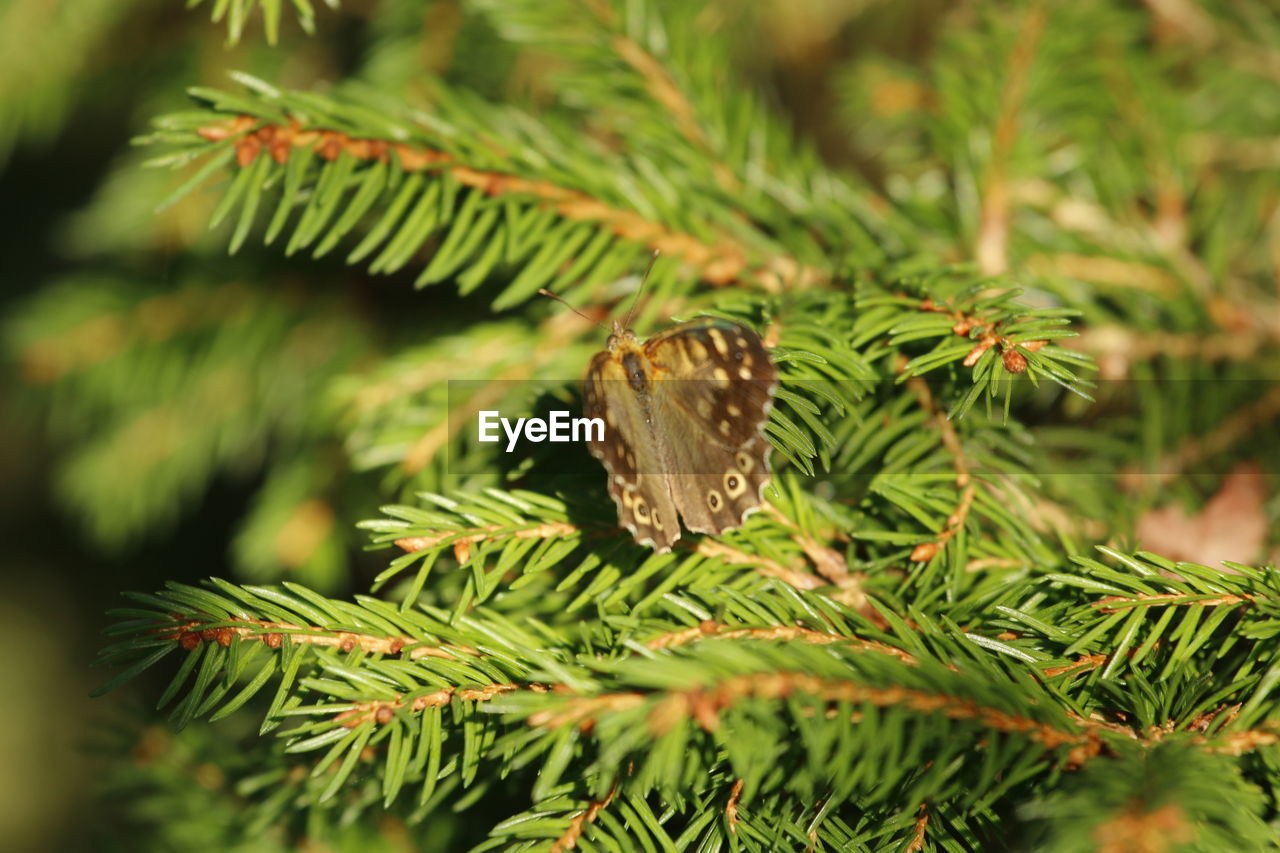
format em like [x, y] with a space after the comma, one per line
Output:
[630, 455]
[723, 379]
[710, 410]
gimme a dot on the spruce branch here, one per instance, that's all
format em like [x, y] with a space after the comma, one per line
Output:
[822, 378]
[684, 684]
[530, 534]
[708, 629]
[911, 646]
[238, 13]
[569, 839]
[451, 173]
[1229, 434]
[1153, 799]
[1085, 231]
[171, 389]
[990, 249]
[1119, 350]
[669, 89]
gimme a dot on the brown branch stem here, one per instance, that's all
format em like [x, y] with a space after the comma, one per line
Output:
[191, 633]
[722, 262]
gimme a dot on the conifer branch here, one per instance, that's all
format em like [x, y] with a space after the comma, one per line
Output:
[918, 831]
[663, 89]
[569, 840]
[1115, 603]
[463, 540]
[705, 705]
[47, 358]
[382, 711]
[1118, 349]
[731, 807]
[708, 629]
[238, 12]
[191, 633]
[764, 565]
[402, 161]
[1228, 434]
[992, 238]
[722, 263]
[910, 648]
[926, 551]
[988, 336]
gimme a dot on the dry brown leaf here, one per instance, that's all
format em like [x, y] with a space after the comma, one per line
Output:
[1230, 527]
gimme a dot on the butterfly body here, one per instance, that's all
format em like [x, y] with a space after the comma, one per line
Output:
[684, 415]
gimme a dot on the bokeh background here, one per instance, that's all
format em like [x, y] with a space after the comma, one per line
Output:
[134, 451]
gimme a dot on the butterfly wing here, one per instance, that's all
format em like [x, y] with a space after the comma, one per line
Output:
[710, 413]
[716, 502]
[722, 378]
[630, 455]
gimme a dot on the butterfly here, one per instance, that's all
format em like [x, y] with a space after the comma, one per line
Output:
[684, 415]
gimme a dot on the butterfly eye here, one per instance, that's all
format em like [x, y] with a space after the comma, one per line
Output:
[642, 511]
[713, 500]
[745, 462]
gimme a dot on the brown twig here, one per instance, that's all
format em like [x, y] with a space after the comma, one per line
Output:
[988, 336]
[765, 566]
[993, 229]
[1084, 662]
[917, 834]
[1184, 19]
[191, 634]
[569, 839]
[582, 710]
[1117, 348]
[1043, 514]
[723, 262]
[1228, 434]
[731, 807]
[827, 561]
[382, 711]
[426, 447]
[662, 87]
[1103, 270]
[708, 629]
[1140, 829]
[1114, 603]
[926, 551]
[1240, 743]
[704, 705]
[462, 539]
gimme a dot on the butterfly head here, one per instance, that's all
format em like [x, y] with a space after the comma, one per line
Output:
[621, 337]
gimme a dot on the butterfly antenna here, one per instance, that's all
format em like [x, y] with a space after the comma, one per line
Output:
[644, 279]
[542, 291]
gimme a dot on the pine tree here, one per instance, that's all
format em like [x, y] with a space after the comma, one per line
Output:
[1016, 265]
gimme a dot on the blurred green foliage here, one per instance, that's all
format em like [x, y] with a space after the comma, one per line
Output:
[903, 196]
